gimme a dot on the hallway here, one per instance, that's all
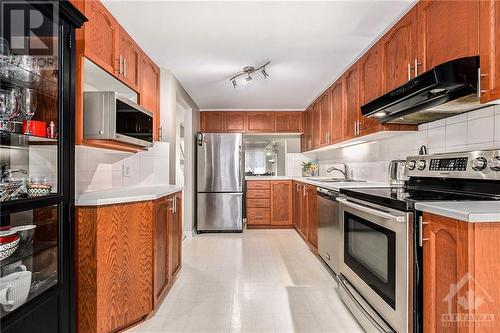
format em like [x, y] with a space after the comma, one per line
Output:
[260, 281]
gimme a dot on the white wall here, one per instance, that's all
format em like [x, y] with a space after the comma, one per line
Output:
[475, 130]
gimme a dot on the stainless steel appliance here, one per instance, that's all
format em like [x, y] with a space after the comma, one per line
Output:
[220, 172]
[397, 172]
[381, 271]
[108, 116]
[329, 237]
[446, 90]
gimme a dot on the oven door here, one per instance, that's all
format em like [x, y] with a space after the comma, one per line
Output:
[376, 256]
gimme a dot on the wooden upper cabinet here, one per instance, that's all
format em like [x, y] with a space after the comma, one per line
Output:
[212, 122]
[150, 92]
[489, 34]
[325, 119]
[337, 117]
[446, 30]
[316, 123]
[234, 122]
[281, 202]
[398, 51]
[370, 85]
[259, 122]
[101, 36]
[288, 122]
[351, 111]
[129, 57]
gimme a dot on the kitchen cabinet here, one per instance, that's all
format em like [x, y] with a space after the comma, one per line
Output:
[259, 122]
[212, 122]
[234, 122]
[297, 205]
[269, 203]
[325, 120]
[489, 42]
[370, 86]
[101, 36]
[162, 244]
[128, 256]
[398, 50]
[311, 204]
[310, 128]
[352, 107]
[129, 55]
[446, 30]
[337, 121]
[288, 122]
[462, 255]
[150, 92]
[316, 123]
[281, 202]
[114, 265]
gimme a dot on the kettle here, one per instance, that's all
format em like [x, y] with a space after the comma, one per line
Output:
[397, 172]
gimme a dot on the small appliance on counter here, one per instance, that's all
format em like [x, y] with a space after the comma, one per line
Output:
[397, 172]
[380, 277]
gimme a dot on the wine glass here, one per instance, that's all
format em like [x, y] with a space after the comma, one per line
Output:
[28, 102]
[8, 106]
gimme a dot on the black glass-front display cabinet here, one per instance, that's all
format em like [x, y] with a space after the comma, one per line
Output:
[37, 168]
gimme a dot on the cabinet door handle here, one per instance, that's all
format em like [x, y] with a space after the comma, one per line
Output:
[120, 70]
[479, 78]
[421, 238]
[409, 71]
[416, 64]
[355, 129]
[125, 67]
[160, 133]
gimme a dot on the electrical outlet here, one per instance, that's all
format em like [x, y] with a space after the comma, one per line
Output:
[126, 171]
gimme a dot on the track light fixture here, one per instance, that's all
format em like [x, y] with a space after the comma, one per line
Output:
[248, 71]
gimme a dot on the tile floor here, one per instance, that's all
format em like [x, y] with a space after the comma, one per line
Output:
[261, 281]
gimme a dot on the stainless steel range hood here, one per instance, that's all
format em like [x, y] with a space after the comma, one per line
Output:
[446, 90]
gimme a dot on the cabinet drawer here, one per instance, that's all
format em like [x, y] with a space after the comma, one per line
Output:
[259, 216]
[258, 203]
[259, 184]
[258, 194]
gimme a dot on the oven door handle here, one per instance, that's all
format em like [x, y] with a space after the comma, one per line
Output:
[372, 211]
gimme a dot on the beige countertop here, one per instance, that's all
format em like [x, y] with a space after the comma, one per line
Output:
[335, 186]
[125, 194]
[469, 211]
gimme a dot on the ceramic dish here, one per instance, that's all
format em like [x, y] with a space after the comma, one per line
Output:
[8, 245]
[38, 190]
[25, 233]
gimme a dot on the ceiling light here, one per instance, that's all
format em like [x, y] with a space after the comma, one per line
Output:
[248, 70]
[380, 114]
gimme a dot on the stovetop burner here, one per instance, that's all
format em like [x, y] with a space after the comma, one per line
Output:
[404, 198]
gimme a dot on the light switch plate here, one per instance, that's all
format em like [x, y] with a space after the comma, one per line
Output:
[126, 171]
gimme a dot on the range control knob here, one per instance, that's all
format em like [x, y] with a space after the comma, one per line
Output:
[479, 164]
[495, 163]
[412, 165]
[421, 164]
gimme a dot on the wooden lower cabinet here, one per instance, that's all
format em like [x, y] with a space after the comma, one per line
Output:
[311, 206]
[297, 204]
[269, 204]
[460, 269]
[127, 258]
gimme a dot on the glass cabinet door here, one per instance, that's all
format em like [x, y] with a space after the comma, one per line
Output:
[29, 106]
[31, 202]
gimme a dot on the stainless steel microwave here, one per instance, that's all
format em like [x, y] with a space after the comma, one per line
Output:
[107, 116]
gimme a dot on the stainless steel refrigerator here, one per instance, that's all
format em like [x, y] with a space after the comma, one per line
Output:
[220, 172]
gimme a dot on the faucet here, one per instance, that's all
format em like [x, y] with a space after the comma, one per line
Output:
[6, 173]
[344, 172]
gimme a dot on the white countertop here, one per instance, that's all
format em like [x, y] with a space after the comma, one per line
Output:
[469, 211]
[335, 186]
[125, 194]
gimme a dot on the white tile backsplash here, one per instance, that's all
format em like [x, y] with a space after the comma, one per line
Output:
[97, 169]
[475, 130]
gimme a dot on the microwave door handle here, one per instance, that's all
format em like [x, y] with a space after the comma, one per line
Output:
[372, 211]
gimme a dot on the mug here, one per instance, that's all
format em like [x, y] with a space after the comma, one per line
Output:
[14, 267]
[14, 290]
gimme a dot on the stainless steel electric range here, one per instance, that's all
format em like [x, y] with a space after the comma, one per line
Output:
[380, 274]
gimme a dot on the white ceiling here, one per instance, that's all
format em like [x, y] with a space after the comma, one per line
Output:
[309, 45]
